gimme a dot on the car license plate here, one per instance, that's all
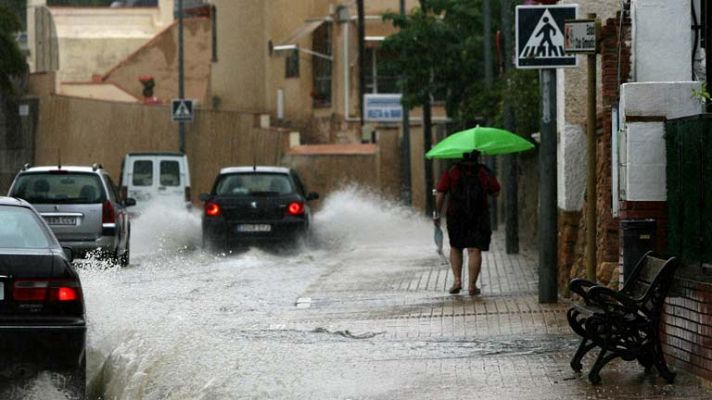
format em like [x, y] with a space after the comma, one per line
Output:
[254, 228]
[57, 220]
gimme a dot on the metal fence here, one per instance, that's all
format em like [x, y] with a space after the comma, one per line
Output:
[689, 188]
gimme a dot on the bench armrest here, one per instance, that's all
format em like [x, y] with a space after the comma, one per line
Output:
[581, 287]
[611, 301]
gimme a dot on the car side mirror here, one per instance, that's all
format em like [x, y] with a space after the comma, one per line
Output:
[69, 253]
[204, 197]
[130, 202]
[312, 196]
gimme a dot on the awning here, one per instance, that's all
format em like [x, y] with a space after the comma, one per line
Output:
[302, 31]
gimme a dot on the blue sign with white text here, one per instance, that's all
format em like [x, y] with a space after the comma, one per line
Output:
[383, 108]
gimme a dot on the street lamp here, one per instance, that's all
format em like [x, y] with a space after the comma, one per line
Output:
[286, 48]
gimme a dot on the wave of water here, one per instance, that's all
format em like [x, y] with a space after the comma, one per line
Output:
[180, 323]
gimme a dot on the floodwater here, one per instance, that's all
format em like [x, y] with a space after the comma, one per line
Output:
[180, 323]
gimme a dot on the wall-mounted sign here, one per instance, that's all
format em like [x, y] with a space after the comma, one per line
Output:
[382, 107]
[580, 36]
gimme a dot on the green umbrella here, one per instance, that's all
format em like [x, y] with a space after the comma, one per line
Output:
[486, 140]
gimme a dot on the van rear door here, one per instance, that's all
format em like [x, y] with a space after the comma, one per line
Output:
[141, 180]
[172, 178]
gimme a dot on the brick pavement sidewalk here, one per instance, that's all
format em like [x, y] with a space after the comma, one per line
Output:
[501, 344]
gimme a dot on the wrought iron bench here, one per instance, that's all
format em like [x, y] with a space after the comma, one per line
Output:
[623, 323]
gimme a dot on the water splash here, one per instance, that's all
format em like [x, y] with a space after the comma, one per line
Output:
[181, 323]
[355, 216]
[165, 228]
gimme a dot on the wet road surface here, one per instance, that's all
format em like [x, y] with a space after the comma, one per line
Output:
[363, 314]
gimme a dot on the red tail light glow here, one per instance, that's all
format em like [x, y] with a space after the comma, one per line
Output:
[212, 209]
[107, 213]
[43, 290]
[67, 294]
[295, 208]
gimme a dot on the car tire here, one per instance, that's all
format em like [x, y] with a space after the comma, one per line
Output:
[124, 259]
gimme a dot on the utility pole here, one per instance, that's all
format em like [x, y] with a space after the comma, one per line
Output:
[548, 213]
[510, 161]
[361, 56]
[428, 144]
[591, 197]
[489, 78]
[405, 144]
[181, 76]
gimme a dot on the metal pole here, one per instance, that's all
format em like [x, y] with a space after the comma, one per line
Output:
[181, 76]
[591, 197]
[489, 78]
[510, 161]
[548, 279]
[361, 57]
[428, 143]
[405, 145]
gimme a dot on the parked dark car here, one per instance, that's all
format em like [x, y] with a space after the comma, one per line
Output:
[42, 322]
[81, 205]
[257, 205]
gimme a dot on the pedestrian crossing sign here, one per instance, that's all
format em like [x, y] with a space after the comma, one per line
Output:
[540, 36]
[181, 110]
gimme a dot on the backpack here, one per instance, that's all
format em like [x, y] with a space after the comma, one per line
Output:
[467, 197]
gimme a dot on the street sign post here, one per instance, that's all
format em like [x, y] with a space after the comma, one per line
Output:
[540, 36]
[540, 45]
[182, 110]
[580, 36]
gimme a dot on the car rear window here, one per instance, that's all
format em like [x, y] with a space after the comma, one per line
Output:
[142, 173]
[59, 187]
[20, 228]
[170, 173]
[253, 184]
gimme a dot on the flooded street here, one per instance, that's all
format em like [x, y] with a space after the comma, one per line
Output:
[180, 323]
[361, 313]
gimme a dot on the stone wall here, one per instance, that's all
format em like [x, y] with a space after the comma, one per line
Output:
[615, 65]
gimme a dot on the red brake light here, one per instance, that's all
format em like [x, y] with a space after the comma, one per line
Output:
[42, 290]
[67, 294]
[107, 213]
[295, 208]
[212, 209]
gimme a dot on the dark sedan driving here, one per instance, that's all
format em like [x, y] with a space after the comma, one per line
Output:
[255, 205]
[42, 322]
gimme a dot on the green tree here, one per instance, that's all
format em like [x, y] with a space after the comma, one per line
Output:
[12, 62]
[441, 52]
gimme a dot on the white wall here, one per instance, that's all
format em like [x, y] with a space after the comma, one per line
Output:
[572, 159]
[662, 46]
[642, 143]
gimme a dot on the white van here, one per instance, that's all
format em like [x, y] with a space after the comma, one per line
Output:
[155, 176]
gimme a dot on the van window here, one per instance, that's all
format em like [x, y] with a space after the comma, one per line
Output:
[143, 173]
[170, 173]
[59, 187]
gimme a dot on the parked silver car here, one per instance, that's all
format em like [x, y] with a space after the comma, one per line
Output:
[81, 205]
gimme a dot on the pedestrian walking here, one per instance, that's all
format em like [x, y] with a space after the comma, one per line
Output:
[466, 185]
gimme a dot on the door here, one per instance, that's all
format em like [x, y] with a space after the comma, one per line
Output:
[142, 184]
[171, 179]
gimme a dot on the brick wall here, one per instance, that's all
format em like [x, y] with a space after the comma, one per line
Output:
[687, 323]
